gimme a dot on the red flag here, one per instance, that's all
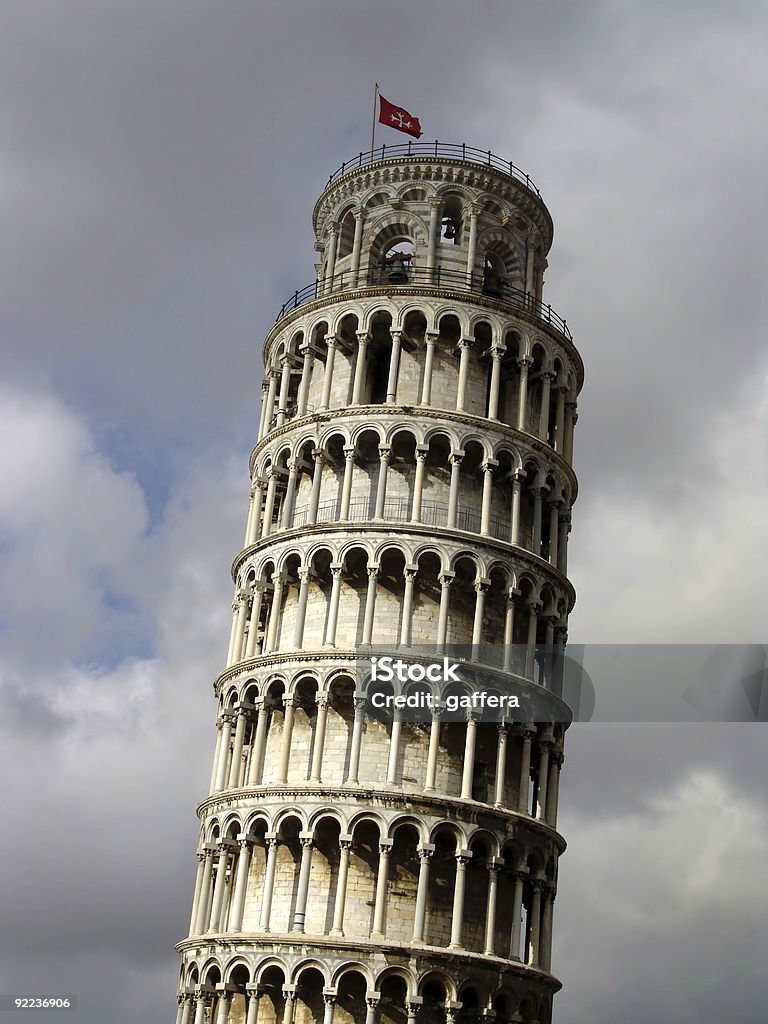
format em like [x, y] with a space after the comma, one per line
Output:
[398, 118]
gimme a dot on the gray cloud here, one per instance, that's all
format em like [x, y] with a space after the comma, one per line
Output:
[158, 166]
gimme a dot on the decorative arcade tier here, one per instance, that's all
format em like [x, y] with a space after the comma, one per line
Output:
[411, 488]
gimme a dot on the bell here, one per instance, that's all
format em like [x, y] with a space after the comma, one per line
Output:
[449, 228]
[396, 273]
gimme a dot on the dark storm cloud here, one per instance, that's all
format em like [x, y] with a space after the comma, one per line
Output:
[158, 167]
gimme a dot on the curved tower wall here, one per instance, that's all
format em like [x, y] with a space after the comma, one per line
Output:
[411, 485]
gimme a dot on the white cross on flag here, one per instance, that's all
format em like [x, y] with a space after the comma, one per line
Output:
[398, 118]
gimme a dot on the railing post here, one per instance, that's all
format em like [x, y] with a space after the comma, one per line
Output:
[435, 148]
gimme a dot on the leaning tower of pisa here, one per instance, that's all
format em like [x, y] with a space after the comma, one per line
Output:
[411, 492]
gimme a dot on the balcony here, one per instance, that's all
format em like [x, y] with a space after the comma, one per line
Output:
[405, 278]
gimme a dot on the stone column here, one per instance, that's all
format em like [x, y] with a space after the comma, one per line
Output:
[346, 486]
[537, 493]
[425, 851]
[497, 354]
[394, 747]
[317, 476]
[553, 788]
[372, 1004]
[357, 739]
[329, 1000]
[269, 881]
[257, 746]
[381, 486]
[269, 404]
[252, 514]
[494, 867]
[219, 884]
[262, 415]
[226, 736]
[412, 1006]
[317, 750]
[545, 943]
[289, 502]
[360, 363]
[501, 765]
[453, 495]
[307, 353]
[289, 992]
[564, 520]
[379, 907]
[370, 603]
[198, 889]
[305, 574]
[285, 381]
[422, 451]
[333, 605]
[201, 1005]
[481, 589]
[330, 265]
[570, 422]
[463, 858]
[472, 244]
[302, 891]
[409, 575]
[269, 504]
[433, 237]
[239, 607]
[253, 992]
[394, 367]
[524, 363]
[216, 752]
[258, 501]
[357, 245]
[509, 629]
[446, 579]
[461, 390]
[517, 915]
[534, 607]
[434, 747]
[429, 356]
[345, 845]
[534, 922]
[469, 757]
[526, 737]
[203, 910]
[485, 512]
[241, 720]
[241, 883]
[273, 629]
[559, 420]
[553, 531]
[285, 745]
[257, 596]
[325, 399]
[530, 254]
[541, 783]
[185, 1009]
[517, 484]
[546, 385]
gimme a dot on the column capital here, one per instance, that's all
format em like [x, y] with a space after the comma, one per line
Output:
[481, 584]
[498, 350]
[425, 850]
[463, 856]
[385, 845]
[349, 451]
[409, 571]
[489, 465]
[430, 337]
[446, 578]
[307, 840]
[385, 450]
[455, 457]
[373, 571]
[318, 454]
[422, 451]
[524, 362]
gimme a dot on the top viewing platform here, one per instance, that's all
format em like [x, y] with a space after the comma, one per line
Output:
[434, 150]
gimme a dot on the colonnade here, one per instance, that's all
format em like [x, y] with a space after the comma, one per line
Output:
[524, 934]
[285, 389]
[243, 732]
[541, 525]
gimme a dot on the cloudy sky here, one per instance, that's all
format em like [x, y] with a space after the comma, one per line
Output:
[158, 166]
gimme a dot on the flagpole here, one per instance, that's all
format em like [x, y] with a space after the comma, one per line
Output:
[373, 124]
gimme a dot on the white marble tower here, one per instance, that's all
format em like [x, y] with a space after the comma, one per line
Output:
[411, 486]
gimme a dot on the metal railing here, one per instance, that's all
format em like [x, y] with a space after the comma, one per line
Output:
[450, 150]
[385, 277]
[398, 510]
